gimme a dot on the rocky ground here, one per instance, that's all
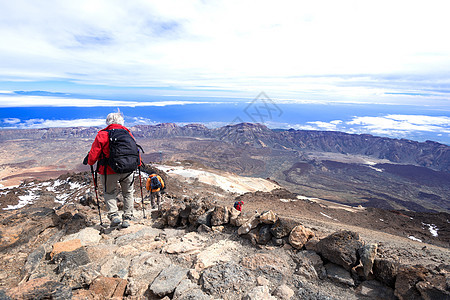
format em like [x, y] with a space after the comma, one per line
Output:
[279, 247]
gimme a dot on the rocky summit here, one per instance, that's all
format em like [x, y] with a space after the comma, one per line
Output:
[52, 246]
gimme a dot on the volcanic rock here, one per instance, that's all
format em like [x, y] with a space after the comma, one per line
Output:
[341, 248]
[299, 236]
[169, 278]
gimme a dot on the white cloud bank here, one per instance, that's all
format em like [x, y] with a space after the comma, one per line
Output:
[42, 101]
[329, 49]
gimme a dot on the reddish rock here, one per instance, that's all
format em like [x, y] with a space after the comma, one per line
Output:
[41, 288]
[66, 246]
[108, 287]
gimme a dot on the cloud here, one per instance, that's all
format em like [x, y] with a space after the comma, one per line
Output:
[42, 123]
[402, 124]
[294, 49]
[11, 121]
[414, 127]
[42, 101]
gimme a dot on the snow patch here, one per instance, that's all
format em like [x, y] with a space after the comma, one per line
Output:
[326, 215]
[376, 169]
[226, 181]
[414, 239]
[432, 228]
[23, 201]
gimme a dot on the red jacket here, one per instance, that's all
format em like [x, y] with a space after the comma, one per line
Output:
[101, 145]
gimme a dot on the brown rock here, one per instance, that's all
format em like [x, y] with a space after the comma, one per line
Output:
[282, 227]
[220, 216]
[299, 236]
[407, 278]
[108, 287]
[66, 246]
[268, 217]
[249, 225]
[341, 248]
[41, 288]
[385, 271]
[311, 244]
[173, 215]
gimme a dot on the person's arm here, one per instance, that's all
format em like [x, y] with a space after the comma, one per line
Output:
[147, 186]
[97, 147]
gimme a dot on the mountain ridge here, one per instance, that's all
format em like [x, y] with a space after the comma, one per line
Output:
[428, 154]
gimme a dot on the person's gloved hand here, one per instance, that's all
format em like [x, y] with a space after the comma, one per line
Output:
[85, 160]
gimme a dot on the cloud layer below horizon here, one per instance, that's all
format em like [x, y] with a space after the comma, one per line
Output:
[381, 51]
[412, 127]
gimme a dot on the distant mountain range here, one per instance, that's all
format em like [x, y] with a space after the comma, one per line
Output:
[428, 154]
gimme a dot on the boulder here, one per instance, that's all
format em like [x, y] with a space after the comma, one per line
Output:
[115, 267]
[385, 271]
[41, 288]
[34, 260]
[66, 261]
[407, 279]
[339, 274]
[229, 277]
[284, 292]
[249, 225]
[259, 293]
[197, 209]
[341, 248]
[221, 251]
[264, 235]
[268, 217]
[173, 215]
[309, 264]
[435, 286]
[368, 253]
[234, 214]
[66, 246]
[87, 236]
[299, 236]
[220, 216]
[282, 227]
[169, 278]
[108, 287]
[311, 244]
[205, 218]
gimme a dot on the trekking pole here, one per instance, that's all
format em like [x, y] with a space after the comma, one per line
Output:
[142, 195]
[94, 178]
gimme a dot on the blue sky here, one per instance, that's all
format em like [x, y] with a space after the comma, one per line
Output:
[161, 53]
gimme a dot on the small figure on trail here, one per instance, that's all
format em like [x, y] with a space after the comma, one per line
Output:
[117, 154]
[155, 184]
[238, 205]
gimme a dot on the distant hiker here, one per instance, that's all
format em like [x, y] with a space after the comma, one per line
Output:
[118, 157]
[238, 205]
[155, 184]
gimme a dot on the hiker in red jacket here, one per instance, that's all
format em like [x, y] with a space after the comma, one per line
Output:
[100, 151]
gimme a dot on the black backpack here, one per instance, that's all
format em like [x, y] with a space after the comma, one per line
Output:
[155, 183]
[123, 151]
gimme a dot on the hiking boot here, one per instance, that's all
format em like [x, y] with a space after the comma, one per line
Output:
[115, 222]
[154, 206]
[126, 222]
